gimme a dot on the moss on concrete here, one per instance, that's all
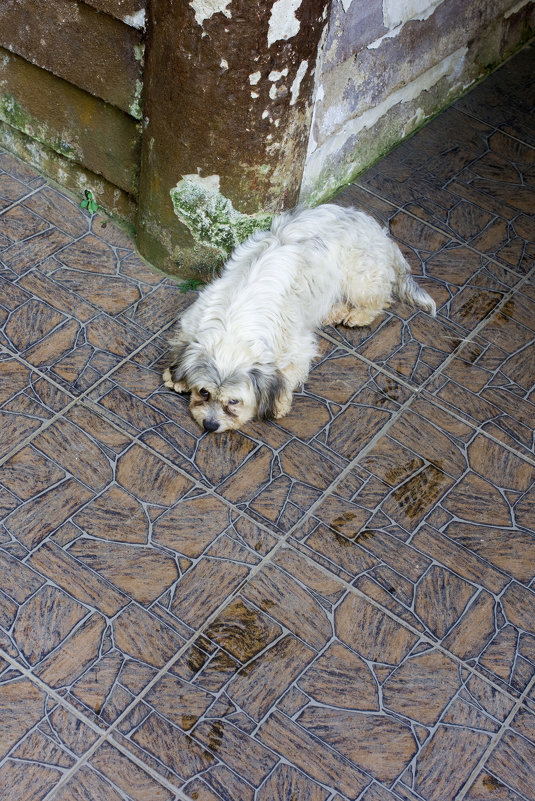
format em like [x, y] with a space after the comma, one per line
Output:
[211, 218]
[14, 114]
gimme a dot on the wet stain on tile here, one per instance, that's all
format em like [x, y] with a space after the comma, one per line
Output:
[413, 500]
[242, 631]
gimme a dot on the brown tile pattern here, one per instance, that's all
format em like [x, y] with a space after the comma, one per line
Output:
[469, 177]
[338, 605]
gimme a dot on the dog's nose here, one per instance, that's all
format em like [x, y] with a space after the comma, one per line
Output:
[210, 425]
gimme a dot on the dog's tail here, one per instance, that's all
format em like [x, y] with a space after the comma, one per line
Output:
[407, 289]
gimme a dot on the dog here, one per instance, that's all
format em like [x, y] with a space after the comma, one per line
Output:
[247, 342]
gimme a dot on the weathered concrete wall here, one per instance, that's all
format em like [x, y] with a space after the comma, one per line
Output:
[70, 93]
[388, 65]
[228, 102]
[71, 39]
[75, 124]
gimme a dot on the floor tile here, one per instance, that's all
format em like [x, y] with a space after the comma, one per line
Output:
[508, 772]
[41, 740]
[276, 470]
[489, 381]
[465, 286]
[67, 527]
[515, 79]
[26, 402]
[18, 223]
[82, 300]
[323, 682]
[11, 190]
[112, 775]
[465, 177]
[474, 498]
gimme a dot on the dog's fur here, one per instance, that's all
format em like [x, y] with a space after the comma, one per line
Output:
[247, 342]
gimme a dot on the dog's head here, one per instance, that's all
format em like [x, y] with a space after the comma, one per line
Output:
[223, 399]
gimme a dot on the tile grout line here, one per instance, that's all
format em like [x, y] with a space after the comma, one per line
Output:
[400, 621]
[18, 202]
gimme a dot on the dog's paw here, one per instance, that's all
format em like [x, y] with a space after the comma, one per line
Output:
[282, 406]
[178, 386]
[357, 318]
[337, 314]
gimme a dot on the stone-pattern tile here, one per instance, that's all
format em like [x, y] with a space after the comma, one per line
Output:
[331, 606]
[468, 179]
[297, 670]
[515, 78]
[508, 773]
[27, 402]
[112, 775]
[138, 560]
[40, 741]
[276, 470]
[489, 382]
[436, 524]
[75, 299]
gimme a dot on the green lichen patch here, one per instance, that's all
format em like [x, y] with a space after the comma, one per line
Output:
[15, 115]
[211, 218]
[135, 107]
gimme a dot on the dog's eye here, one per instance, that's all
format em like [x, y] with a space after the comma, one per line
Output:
[204, 394]
[233, 401]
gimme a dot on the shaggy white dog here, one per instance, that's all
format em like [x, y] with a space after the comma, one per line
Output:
[247, 342]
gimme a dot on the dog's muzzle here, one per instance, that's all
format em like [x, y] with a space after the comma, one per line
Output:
[210, 425]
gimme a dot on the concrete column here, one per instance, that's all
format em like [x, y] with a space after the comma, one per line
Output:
[227, 113]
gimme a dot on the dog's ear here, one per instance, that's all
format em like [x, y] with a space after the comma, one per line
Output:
[267, 386]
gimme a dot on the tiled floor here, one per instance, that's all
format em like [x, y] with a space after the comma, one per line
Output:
[337, 606]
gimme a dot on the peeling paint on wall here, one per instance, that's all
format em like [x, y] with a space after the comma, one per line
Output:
[275, 75]
[283, 24]
[390, 65]
[294, 89]
[398, 12]
[137, 20]
[316, 186]
[204, 9]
